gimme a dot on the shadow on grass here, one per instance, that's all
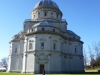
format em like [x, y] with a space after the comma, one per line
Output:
[86, 73]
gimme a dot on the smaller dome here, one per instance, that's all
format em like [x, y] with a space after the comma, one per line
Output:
[71, 32]
[43, 23]
[21, 34]
[15, 37]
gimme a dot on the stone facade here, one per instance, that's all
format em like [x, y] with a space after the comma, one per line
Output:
[45, 43]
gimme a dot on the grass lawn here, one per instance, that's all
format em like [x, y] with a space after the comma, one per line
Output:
[73, 74]
[86, 73]
[2, 73]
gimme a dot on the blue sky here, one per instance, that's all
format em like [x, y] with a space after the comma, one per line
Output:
[83, 17]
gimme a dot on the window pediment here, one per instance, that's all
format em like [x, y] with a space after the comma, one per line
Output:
[31, 40]
[54, 40]
[42, 39]
[75, 46]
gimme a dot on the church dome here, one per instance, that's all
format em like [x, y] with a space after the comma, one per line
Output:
[43, 23]
[46, 3]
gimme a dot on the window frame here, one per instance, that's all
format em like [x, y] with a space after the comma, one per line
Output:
[15, 50]
[54, 46]
[43, 29]
[53, 30]
[75, 50]
[30, 45]
[45, 13]
[42, 45]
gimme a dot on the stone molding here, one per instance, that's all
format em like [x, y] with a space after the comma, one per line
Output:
[50, 52]
[54, 33]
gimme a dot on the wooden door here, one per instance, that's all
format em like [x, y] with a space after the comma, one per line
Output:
[41, 68]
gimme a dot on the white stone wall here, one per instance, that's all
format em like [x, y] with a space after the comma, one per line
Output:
[20, 63]
[14, 63]
[9, 63]
[55, 63]
[30, 62]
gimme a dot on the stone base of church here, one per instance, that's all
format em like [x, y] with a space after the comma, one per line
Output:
[31, 72]
[14, 71]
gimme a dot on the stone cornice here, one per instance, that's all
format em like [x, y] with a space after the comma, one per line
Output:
[19, 54]
[53, 33]
[45, 19]
[53, 52]
[17, 40]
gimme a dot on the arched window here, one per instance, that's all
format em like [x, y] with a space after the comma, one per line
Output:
[30, 46]
[15, 50]
[34, 16]
[75, 50]
[52, 14]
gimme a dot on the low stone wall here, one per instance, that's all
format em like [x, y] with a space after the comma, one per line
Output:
[91, 70]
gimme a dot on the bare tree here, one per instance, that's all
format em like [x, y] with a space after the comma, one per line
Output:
[4, 62]
[94, 53]
[85, 58]
[96, 47]
[92, 60]
[90, 53]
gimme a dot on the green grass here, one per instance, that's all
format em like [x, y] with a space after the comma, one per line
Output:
[73, 74]
[3, 73]
[94, 73]
[86, 73]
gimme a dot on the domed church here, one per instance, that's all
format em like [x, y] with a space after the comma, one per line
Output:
[46, 43]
